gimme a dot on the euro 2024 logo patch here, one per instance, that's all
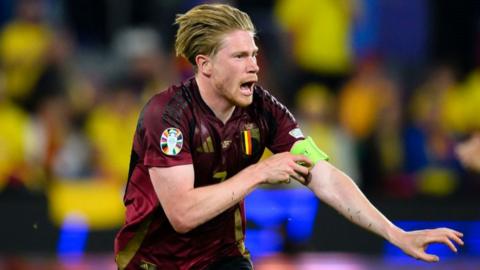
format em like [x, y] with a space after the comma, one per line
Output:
[171, 141]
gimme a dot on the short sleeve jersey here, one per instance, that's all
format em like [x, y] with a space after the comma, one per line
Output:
[176, 127]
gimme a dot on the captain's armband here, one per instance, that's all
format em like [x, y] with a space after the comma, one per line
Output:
[309, 149]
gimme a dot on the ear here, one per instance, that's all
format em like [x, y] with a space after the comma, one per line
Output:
[204, 64]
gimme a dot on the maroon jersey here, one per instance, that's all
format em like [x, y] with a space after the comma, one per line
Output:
[176, 127]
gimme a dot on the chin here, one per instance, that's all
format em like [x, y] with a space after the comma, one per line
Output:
[244, 102]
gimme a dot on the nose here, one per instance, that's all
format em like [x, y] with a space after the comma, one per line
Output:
[252, 65]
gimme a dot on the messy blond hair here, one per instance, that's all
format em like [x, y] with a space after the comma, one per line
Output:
[201, 29]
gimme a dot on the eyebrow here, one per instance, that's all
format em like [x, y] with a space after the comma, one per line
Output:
[246, 52]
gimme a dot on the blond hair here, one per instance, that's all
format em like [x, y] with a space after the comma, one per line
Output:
[202, 28]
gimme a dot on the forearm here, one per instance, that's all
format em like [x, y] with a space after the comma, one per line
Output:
[187, 206]
[201, 204]
[339, 191]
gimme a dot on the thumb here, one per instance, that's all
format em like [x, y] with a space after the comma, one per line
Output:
[428, 257]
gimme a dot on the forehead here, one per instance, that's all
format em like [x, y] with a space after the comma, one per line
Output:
[238, 40]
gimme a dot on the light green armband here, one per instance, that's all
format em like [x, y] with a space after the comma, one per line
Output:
[309, 149]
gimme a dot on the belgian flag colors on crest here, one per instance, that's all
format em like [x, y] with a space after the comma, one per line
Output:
[247, 142]
[250, 138]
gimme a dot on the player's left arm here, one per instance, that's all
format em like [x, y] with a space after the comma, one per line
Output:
[338, 190]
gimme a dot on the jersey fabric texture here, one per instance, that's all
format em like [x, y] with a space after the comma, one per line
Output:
[176, 127]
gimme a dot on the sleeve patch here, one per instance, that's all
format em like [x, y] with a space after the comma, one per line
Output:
[171, 141]
[296, 133]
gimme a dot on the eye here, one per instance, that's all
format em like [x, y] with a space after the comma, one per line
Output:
[239, 55]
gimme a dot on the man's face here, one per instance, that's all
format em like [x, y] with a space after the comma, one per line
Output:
[234, 68]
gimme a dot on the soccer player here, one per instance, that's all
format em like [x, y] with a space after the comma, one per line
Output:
[196, 156]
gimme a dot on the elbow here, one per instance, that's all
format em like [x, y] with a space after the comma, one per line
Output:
[181, 228]
[181, 216]
[182, 224]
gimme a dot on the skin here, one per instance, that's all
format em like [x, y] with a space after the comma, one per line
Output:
[469, 152]
[220, 77]
[335, 188]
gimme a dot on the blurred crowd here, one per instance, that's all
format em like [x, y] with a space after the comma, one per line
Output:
[387, 88]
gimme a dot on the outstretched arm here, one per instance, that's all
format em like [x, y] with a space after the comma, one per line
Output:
[339, 191]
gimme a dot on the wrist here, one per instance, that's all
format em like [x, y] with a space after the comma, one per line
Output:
[394, 234]
[255, 175]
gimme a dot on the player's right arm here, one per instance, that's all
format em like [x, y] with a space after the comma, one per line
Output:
[164, 129]
[187, 207]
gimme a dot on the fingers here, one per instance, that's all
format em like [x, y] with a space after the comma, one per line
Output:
[283, 167]
[445, 236]
[300, 169]
[446, 241]
[451, 235]
[457, 239]
[421, 239]
[298, 177]
[302, 160]
[459, 234]
[456, 236]
[428, 257]
[286, 181]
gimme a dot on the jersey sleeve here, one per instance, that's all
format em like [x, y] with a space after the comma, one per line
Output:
[166, 134]
[284, 130]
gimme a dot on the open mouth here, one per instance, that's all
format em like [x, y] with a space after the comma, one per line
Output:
[247, 87]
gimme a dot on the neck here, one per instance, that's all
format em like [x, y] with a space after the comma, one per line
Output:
[221, 107]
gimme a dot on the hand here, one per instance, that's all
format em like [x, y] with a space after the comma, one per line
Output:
[283, 167]
[469, 152]
[415, 243]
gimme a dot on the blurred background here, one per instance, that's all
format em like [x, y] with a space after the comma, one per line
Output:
[387, 88]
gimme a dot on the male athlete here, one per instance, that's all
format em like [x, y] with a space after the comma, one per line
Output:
[196, 156]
